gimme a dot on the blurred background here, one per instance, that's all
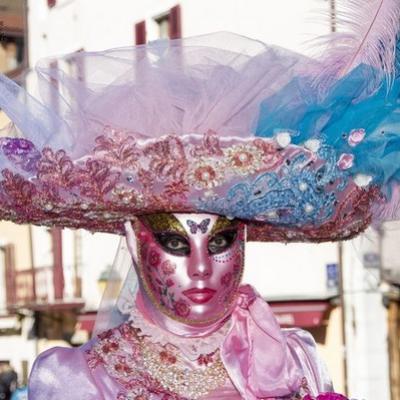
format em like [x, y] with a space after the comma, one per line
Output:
[51, 281]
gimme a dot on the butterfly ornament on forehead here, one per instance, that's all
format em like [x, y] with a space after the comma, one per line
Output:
[189, 265]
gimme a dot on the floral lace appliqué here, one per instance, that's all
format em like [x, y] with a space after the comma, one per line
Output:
[149, 371]
[297, 192]
[192, 348]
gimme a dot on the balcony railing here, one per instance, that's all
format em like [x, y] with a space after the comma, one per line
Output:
[30, 286]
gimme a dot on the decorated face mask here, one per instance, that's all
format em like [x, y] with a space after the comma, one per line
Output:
[190, 265]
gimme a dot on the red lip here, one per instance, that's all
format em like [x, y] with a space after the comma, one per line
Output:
[199, 296]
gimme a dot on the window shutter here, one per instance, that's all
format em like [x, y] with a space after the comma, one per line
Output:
[54, 95]
[9, 261]
[140, 32]
[58, 273]
[175, 25]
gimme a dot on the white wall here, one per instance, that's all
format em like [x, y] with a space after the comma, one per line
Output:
[366, 323]
[95, 25]
[290, 270]
[98, 252]
[88, 255]
[3, 297]
[390, 251]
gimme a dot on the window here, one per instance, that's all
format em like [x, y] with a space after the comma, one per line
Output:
[12, 36]
[163, 25]
[11, 53]
[169, 24]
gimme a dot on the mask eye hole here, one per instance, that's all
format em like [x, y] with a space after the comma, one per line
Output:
[173, 243]
[221, 241]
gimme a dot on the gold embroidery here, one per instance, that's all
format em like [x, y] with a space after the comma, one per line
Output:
[223, 223]
[189, 383]
[164, 223]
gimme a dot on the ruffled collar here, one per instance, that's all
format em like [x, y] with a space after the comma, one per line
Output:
[191, 347]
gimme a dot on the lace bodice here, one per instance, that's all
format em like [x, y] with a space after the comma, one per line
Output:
[192, 348]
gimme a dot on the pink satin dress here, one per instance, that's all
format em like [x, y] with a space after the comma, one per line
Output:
[256, 360]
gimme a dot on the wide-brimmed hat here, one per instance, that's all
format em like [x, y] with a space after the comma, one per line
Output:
[218, 124]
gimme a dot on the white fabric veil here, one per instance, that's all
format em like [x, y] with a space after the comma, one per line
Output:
[120, 294]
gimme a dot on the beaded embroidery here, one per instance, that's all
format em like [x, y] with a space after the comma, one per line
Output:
[153, 371]
[299, 188]
[191, 348]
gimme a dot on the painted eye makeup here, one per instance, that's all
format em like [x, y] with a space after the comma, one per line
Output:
[173, 243]
[221, 241]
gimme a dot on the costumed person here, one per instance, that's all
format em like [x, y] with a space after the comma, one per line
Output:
[8, 381]
[189, 148]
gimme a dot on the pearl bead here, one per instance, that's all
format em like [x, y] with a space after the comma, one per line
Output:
[303, 186]
[283, 139]
[308, 208]
[272, 214]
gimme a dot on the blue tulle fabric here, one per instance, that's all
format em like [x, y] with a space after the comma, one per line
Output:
[348, 105]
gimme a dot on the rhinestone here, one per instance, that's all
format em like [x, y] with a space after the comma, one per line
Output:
[243, 157]
[362, 180]
[205, 176]
[84, 206]
[48, 206]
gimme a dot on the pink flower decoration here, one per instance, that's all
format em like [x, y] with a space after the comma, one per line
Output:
[346, 161]
[169, 282]
[182, 308]
[168, 267]
[326, 396]
[356, 136]
[226, 279]
[154, 259]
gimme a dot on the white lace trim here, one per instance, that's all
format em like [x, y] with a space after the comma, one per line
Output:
[192, 348]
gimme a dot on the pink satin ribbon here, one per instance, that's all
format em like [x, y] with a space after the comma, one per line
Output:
[256, 353]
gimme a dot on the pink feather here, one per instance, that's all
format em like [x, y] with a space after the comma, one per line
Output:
[366, 34]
